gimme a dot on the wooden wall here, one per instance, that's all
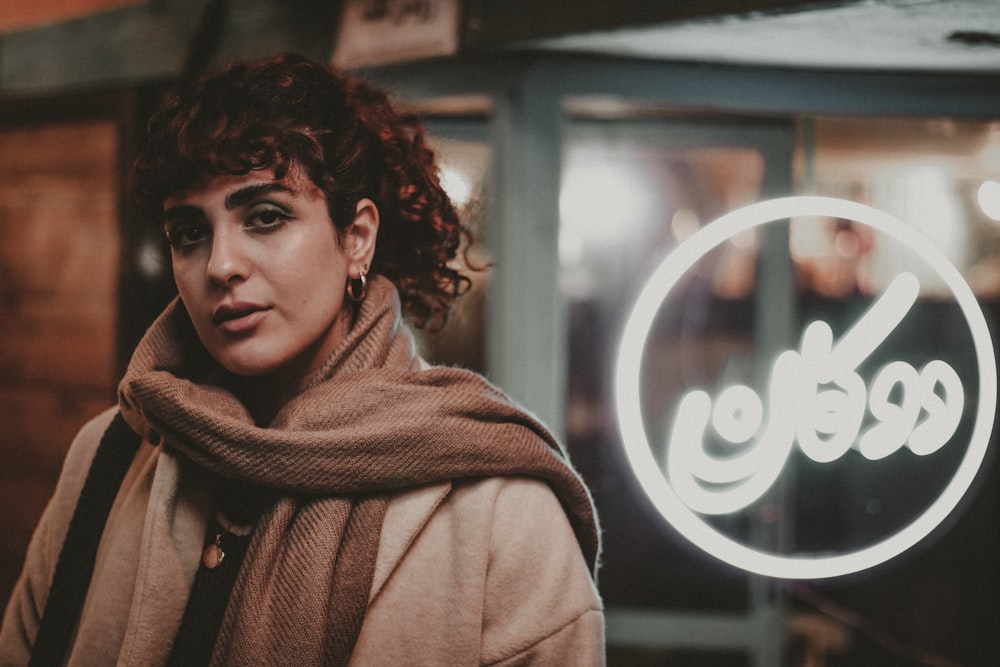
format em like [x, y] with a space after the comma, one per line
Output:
[26, 14]
[59, 257]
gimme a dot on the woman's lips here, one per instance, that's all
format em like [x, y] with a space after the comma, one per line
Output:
[237, 318]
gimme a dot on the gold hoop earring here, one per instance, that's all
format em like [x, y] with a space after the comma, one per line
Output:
[357, 288]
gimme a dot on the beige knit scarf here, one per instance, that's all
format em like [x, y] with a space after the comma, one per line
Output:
[369, 424]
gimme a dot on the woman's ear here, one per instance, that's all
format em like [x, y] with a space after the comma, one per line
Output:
[360, 236]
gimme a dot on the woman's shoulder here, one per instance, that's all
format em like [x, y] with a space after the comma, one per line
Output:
[497, 553]
[476, 512]
[509, 496]
[524, 515]
[48, 536]
[77, 463]
[491, 512]
[82, 450]
[94, 428]
[492, 499]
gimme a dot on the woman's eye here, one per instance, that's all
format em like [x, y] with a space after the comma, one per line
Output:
[186, 236]
[266, 218]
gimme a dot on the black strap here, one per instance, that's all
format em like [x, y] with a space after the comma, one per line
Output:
[79, 551]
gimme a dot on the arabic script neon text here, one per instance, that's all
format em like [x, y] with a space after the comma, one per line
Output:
[816, 399]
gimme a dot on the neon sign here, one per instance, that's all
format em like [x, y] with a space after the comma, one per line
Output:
[815, 399]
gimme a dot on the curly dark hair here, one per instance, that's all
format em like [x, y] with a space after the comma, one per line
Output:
[349, 139]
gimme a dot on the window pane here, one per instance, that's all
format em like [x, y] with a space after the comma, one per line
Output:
[929, 174]
[626, 200]
[464, 164]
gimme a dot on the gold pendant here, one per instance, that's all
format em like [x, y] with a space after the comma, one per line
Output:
[213, 554]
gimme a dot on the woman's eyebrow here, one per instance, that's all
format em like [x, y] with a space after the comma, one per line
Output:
[250, 192]
[234, 199]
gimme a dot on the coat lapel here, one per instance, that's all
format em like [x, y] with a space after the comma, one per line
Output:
[405, 517]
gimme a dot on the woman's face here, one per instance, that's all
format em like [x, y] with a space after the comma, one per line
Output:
[262, 272]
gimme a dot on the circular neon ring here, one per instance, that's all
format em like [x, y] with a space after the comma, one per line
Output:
[640, 454]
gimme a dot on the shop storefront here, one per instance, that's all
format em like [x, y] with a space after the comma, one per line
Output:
[586, 175]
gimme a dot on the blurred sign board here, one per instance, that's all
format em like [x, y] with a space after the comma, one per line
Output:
[379, 32]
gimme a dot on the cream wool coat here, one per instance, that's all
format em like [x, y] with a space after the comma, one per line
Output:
[475, 573]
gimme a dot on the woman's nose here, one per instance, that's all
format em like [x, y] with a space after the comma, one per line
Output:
[228, 262]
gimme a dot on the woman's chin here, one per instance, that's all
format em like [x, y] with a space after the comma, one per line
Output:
[249, 368]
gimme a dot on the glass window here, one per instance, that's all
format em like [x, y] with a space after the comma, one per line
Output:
[937, 176]
[464, 161]
[632, 190]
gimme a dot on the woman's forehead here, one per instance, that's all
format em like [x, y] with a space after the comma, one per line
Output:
[230, 186]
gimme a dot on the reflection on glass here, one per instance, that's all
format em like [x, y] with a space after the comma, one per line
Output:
[930, 173]
[464, 172]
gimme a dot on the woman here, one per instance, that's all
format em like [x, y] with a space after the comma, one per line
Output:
[302, 488]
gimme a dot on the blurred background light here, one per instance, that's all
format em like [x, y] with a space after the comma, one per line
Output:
[989, 199]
